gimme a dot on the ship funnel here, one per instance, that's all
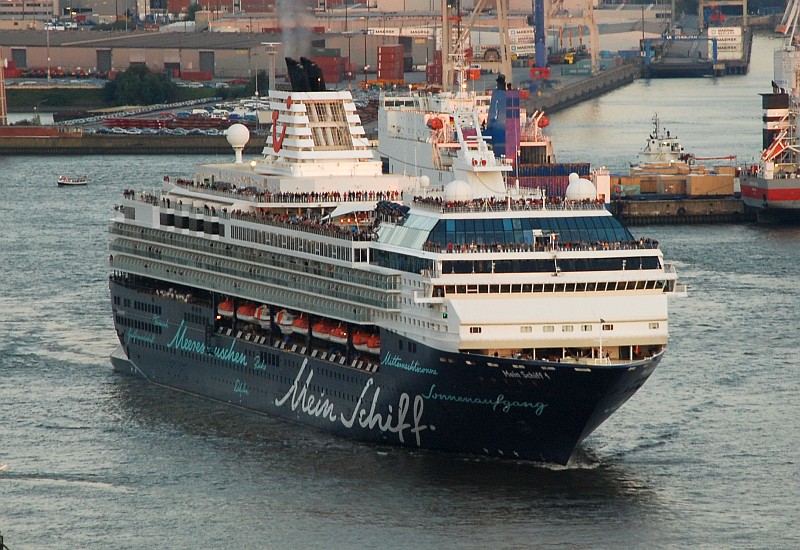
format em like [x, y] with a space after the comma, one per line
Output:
[315, 77]
[305, 75]
[298, 76]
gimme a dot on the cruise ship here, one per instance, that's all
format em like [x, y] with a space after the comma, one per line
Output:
[472, 317]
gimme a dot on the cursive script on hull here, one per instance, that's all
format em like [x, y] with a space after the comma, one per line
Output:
[365, 414]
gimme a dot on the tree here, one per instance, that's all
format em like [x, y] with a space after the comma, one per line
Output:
[192, 11]
[138, 86]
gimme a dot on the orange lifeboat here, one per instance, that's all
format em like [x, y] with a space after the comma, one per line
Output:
[361, 341]
[338, 335]
[544, 122]
[284, 320]
[246, 312]
[262, 316]
[322, 330]
[374, 344]
[435, 124]
[225, 308]
[300, 325]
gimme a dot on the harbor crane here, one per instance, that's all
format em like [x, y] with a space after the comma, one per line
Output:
[455, 36]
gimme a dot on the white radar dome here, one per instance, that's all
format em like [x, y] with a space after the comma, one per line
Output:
[424, 181]
[237, 135]
[580, 189]
[457, 190]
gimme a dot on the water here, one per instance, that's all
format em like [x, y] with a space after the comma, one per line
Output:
[704, 455]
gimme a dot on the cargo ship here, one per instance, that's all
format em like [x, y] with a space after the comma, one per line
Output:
[771, 187]
[416, 135]
[471, 317]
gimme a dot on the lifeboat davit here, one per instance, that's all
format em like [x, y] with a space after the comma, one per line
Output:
[246, 312]
[284, 320]
[262, 316]
[338, 335]
[225, 308]
[361, 341]
[322, 330]
[300, 325]
[435, 123]
[374, 344]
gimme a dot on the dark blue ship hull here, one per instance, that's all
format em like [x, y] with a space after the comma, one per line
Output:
[531, 410]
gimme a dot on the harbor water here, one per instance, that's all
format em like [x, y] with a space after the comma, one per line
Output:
[705, 455]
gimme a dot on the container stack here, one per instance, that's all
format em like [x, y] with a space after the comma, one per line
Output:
[390, 62]
[433, 71]
[332, 64]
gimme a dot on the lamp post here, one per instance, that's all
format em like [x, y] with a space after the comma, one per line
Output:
[365, 58]
[48, 55]
[366, 31]
[349, 36]
[345, 15]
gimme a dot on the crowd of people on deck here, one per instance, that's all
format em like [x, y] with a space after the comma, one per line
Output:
[538, 246]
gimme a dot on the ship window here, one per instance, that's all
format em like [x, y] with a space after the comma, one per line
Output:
[474, 330]
[548, 328]
[608, 327]
[567, 328]
[526, 328]
[586, 328]
[653, 326]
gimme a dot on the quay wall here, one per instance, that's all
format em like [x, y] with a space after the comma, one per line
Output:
[111, 144]
[601, 83]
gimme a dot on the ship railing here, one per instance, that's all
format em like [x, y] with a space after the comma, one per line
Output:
[306, 225]
[476, 248]
[436, 205]
[321, 198]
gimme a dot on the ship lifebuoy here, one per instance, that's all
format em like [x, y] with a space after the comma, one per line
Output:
[474, 162]
[483, 162]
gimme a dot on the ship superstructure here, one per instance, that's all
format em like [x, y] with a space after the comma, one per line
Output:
[471, 316]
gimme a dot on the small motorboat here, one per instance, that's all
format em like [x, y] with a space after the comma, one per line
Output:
[285, 320]
[225, 308]
[66, 181]
[261, 316]
[246, 312]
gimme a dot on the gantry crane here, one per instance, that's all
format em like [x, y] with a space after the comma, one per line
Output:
[455, 36]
